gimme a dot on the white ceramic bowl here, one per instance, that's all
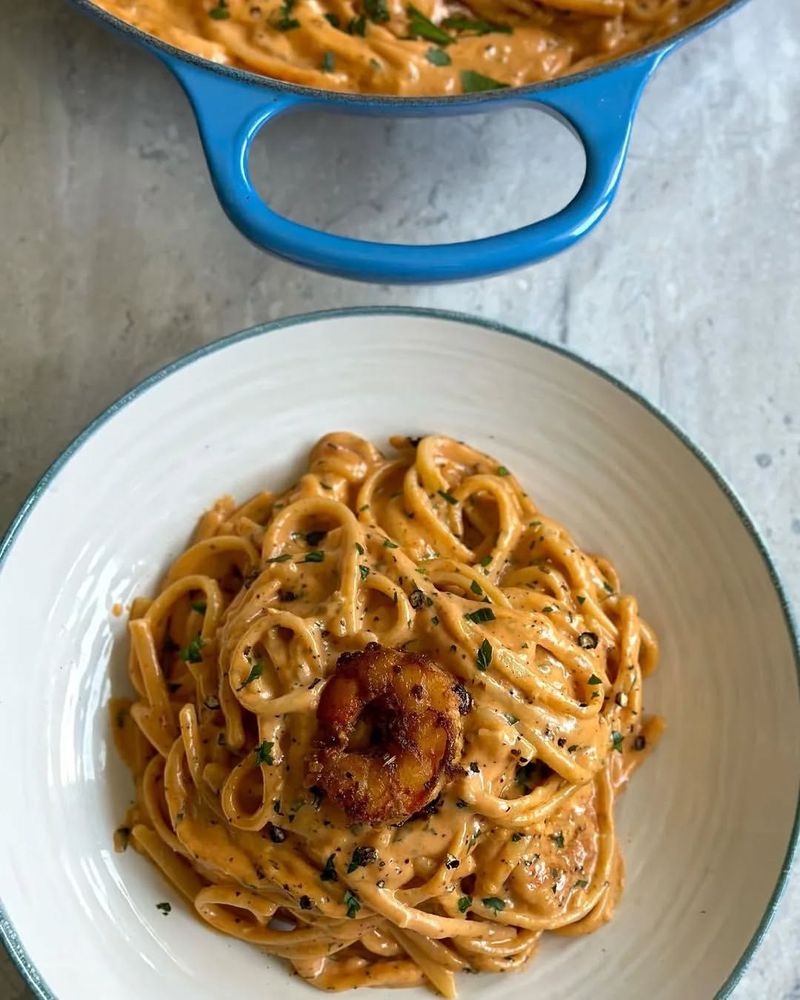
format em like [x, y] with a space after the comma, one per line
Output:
[708, 825]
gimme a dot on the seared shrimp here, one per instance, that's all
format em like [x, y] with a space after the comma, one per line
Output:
[389, 734]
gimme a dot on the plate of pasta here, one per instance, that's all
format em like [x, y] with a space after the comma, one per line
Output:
[447, 665]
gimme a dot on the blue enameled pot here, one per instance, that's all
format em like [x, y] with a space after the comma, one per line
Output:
[232, 106]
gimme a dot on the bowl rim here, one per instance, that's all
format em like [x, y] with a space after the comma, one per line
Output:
[8, 935]
[169, 52]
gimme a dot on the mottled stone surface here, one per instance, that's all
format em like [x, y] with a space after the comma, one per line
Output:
[116, 257]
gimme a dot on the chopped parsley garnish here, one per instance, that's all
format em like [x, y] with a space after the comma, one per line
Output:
[435, 620]
[474, 766]
[352, 902]
[284, 557]
[581, 599]
[191, 654]
[389, 544]
[486, 560]
[219, 13]
[581, 883]
[447, 496]
[359, 548]
[438, 57]
[607, 587]
[199, 606]
[264, 753]
[494, 903]
[476, 83]
[617, 739]
[313, 538]
[481, 615]
[547, 609]
[484, 656]
[328, 63]
[332, 20]
[475, 27]
[420, 26]
[502, 471]
[512, 720]
[594, 679]
[464, 903]
[587, 640]
[256, 671]
[284, 21]
[362, 856]
[358, 26]
[164, 907]
[377, 11]
[558, 840]
[476, 588]
[416, 598]
[317, 555]
[516, 838]
[328, 873]
[572, 748]
[364, 571]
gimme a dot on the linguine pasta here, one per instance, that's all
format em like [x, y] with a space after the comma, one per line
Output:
[428, 47]
[437, 555]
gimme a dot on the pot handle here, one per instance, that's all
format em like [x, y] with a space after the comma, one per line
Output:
[230, 112]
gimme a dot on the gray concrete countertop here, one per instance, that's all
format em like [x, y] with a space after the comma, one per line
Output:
[117, 258]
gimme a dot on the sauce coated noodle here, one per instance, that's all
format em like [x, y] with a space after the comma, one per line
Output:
[437, 550]
[431, 47]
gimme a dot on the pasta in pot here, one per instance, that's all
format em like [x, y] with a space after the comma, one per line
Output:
[381, 719]
[430, 47]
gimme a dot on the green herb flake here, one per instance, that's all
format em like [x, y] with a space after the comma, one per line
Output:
[502, 471]
[617, 740]
[332, 20]
[483, 659]
[607, 587]
[486, 560]
[328, 63]
[516, 838]
[256, 671]
[284, 557]
[477, 83]
[435, 620]
[438, 57]
[512, 720]
[364, 571]
[464, 903]
[313, 538]
[362, 856]
[481, 615]
[284, 21]
[328, 873]
[377, 11]
[358, 26]
[264, 753]
[359, 548]
[420, 26]
[547, 609]
[352, 902]
[494, 903]
[581, 599]
[317, 556]
[192, 654]
[447, 496]
[219, 13]
[476, 588]
[572, 748]
[199, 607]
[594, 679]
[558, 840]
[581, 883]
[389, 544]
[164, 907]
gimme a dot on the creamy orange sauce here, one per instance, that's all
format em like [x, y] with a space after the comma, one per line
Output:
[438, 550]
[432, 47]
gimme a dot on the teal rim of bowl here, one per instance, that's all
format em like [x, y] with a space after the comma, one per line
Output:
[8, 934]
